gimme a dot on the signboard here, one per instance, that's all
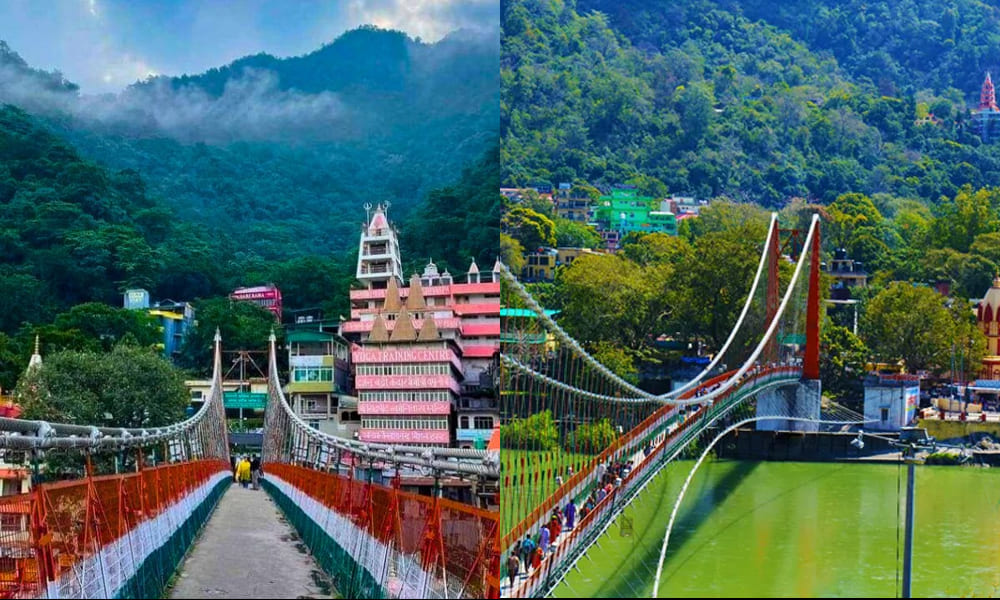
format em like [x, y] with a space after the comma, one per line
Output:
[244, 400]
[368, 355]
[911, 398]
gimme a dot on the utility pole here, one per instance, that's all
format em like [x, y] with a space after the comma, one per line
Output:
[908, 540]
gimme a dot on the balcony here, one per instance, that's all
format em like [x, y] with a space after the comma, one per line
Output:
[374, 269]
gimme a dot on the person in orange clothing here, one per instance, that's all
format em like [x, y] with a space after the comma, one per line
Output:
[555, 526]
[536, 560]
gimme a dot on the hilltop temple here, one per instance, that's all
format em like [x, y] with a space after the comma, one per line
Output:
[986, 116]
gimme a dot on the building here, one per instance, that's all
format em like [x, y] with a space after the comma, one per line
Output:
[265, 296]
[423, 353]
[566, 255]
[988, 319]
[574, 209]
[626, 212]
[175, 319]
[540, 265]
[319, 382]
[891, 401]
[986, 116]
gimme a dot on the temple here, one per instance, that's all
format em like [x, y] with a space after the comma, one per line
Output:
[424, 353]
[988, 319]
[986, 116]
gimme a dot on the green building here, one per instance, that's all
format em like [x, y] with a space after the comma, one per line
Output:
[625, 211]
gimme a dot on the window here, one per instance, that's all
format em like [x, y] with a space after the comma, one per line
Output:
[303, 374]
[885, 414]
[464, 422]
[9, 522]
[483, 422]
[405, 396]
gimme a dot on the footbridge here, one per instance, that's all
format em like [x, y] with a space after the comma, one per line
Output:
[124, 523]
[766, 372]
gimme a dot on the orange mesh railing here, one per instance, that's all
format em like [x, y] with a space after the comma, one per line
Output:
[461, 539]
[47, 531]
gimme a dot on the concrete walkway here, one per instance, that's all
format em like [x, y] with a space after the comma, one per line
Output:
[248, 550]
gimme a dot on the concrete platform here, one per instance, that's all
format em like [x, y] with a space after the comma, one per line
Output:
[248, 550]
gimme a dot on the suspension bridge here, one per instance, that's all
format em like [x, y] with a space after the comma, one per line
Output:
[766, 373]
[123, 527]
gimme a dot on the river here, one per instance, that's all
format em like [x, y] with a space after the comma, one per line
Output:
[802, 529]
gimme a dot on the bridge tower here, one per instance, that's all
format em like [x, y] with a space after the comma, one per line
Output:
[804, 399]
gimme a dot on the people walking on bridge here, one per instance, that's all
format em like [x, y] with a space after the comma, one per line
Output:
[543, 539]
[243, 472]
[255, 471]
[570, 514]
[528, 552]
[555, 527]
[513, 566]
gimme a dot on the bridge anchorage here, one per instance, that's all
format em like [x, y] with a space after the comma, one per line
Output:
[124, 533]
[574, 430]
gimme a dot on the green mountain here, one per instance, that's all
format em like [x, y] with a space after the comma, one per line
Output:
[282, 154]
[760, 100]
[251, 173]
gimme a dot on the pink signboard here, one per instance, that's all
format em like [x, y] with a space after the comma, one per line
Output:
[404, 408]
[374, 355]
[405, 382]
[413, 436]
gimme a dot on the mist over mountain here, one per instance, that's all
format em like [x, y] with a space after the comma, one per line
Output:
[283, 152]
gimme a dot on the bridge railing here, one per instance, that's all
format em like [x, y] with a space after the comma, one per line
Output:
[378, 540]
[104, 536]
[673, 441]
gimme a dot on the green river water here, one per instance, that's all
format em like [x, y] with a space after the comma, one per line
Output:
[802, 529]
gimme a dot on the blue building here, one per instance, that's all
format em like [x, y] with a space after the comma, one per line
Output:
[175, 319]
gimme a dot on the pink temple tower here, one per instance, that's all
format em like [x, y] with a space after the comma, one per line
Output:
[987, 95]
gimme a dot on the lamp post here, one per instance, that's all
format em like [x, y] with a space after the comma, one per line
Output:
[911, 439]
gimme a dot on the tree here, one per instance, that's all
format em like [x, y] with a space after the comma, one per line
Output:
[618, 359]
[536, 432]
[611, 299]
[591, 438]
[99, 327]
[657, 248]
[910, 323]
[968, 215]
[712, 287]
[511, 253]
[127, 387]
[243, 325]
[573, 234]
[533, 230]
[842, 364]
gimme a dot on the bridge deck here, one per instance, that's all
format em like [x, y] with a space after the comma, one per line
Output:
[247, 550]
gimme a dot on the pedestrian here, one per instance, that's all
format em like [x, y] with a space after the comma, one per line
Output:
[555, 527]
[536, 560]
[233, 460]
[255, 471]
[544, 539]
[527, 551]
[513, 566]
[243, 472]
[570, 514]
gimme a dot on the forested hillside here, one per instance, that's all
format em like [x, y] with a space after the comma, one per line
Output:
[72, 231]
[761, 101]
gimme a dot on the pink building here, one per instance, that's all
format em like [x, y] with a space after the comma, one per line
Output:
[423, 361]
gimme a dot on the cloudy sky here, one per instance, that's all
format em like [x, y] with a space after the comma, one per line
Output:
[104, 45]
